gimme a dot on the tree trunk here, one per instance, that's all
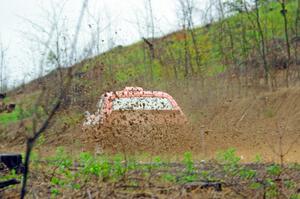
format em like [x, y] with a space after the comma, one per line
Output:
[262, 42]
[288, 49]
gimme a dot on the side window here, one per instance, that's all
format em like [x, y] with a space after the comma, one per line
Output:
[142, 103]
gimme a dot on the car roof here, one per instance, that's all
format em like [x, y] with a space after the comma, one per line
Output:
[136, 92]
[130, 92]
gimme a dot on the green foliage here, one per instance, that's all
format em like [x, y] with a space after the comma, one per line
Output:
[125, 74]
[85, 68]
[274, 170]
[6, 118]
[157, 162]
[289, 184]
[228, 157]
[255, 185]
[295, 166]
[61, 159]
[40, 141]
[131, 164]
[105, 169]
[189, 178]
[216, 69]
[56, 181]
[271, 188]
[11, 175]
[34, 157]
[217, 49]
[258, 158]
[247, 173]
[295, 196]
[206, 175]
[18, 114]
[167, 177]
[157, 70]
[188, 162]
[189, 174]
[118, 167]
[229, 160]
[65, 175]
[91, 166]
[54, 192]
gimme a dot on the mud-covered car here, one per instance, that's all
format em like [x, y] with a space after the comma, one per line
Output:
[136, 119]
[133, 105]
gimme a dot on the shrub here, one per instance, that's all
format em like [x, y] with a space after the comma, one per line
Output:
[230, 161]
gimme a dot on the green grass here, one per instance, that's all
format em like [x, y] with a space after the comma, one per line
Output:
[111, 169]
[6, 118]
[15, 116]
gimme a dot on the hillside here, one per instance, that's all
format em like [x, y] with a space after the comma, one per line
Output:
[235, 134]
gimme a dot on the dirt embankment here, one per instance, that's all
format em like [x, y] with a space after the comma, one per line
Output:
[267, 124]
[154, 132]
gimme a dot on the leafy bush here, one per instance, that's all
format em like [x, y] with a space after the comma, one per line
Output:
[189, 174]
[118, 167]
[188, 162]
[167, 177]
[230, 161]
[274, 170]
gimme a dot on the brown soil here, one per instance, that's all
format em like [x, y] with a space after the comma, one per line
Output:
[266, 125]
[142, 131]
[253, 125]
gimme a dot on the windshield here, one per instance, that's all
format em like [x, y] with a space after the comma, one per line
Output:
[142, 103]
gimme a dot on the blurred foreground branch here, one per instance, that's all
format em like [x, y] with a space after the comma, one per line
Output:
[64, 87]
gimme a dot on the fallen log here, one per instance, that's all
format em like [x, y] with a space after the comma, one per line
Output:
[8, 183]
[217, 186]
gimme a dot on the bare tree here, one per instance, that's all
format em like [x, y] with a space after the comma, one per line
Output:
[110, 43]
[3, 75]
[262, 40]
[188, 8]
[150, 19]
[96, 30]
[148, 37]
[53, 105]
[287, 41]
[183, 15]
[296, 40]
